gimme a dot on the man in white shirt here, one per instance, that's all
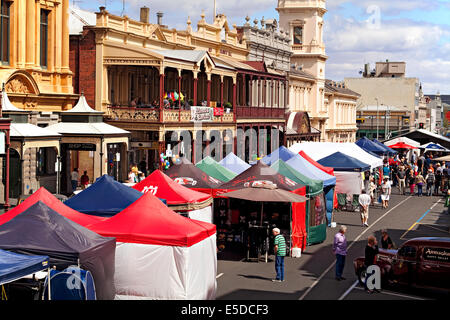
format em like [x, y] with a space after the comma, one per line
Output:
[364, 201]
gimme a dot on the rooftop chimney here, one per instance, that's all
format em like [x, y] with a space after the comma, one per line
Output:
[145, 14]
[159, 15]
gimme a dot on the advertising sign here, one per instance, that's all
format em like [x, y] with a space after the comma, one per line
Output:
[2, 142]
[202, 114]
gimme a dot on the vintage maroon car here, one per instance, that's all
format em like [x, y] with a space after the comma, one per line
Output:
[419, 262]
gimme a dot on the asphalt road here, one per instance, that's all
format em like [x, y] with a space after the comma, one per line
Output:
[312, 276]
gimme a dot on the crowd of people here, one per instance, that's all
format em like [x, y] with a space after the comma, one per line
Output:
[420, 175]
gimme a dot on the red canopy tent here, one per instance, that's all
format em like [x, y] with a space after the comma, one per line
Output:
[180, 199]
[180, 254]
[328, 170]
[402, 145]
[51, 201]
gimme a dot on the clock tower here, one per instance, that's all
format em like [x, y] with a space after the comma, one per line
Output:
[303, 20]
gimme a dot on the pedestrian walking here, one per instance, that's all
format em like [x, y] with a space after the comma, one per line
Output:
[385, 192]
[370, 256]
[280, 253]
[439, 177]
[364, 202]
[401, 177]
[430, 179]
[420, 181]
[340, 251]
[74, 176]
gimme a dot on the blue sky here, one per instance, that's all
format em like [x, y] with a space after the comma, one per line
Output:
[414, 31]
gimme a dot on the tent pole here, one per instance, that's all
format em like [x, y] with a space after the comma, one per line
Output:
[49, 291]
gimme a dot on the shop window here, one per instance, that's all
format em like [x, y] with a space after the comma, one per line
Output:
[4, 32]
[44, 38]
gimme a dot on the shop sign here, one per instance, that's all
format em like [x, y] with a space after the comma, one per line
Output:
[202, 114]
[218, 112]
[81, 146]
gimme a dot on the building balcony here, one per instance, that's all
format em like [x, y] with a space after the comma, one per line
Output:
[259, 112]
[155, 115]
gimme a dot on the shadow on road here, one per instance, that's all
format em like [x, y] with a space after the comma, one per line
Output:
[246, 294]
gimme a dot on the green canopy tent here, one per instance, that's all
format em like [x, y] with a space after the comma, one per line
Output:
[315, 207]
[212, 168]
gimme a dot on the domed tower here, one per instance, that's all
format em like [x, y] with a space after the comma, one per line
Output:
[303, 21]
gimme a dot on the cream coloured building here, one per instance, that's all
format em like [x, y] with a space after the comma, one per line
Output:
[303, 21]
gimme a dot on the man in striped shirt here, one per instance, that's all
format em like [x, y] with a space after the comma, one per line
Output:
[280, 253]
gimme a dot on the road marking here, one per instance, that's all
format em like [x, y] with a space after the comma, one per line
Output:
[420, 219]
[348, 248]
[349, 290]
[395, 294]
[219, 275]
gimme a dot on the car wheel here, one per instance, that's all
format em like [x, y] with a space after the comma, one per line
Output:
[362, 276]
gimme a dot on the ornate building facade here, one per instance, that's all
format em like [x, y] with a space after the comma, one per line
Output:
[303, 22]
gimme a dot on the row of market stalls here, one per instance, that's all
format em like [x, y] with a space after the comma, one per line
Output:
[111, 239]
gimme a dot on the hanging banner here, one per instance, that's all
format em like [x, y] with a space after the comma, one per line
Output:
[202, 114]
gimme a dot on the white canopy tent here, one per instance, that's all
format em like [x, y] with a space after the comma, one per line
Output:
[404, 140]
[320, 150]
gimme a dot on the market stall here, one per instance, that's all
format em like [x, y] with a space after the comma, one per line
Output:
[105, 198]
[388, 150]
[40, 230]
[320, 150]
[50, 200]
[189, 176]
[316, 221]
[193, 204]
[370, 146]
[282, 153]
[347, 171]
[237, 220]
[212, 168]
[329, 182]
[234, 163]
[330, 193]
[160, 254]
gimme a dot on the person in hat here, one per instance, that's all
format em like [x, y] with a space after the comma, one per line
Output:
[385, 192]
[280, 253]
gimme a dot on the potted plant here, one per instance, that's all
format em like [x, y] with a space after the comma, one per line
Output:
[228, 107]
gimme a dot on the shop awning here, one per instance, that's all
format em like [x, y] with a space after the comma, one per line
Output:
[212, 168]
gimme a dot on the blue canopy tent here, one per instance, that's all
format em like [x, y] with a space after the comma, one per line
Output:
[14, 266]
[309, 170]
[105, 198]
[434, 147]
[233, 163]
[388, 150]
[370, 146]
[342, 162]
[282, 153]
